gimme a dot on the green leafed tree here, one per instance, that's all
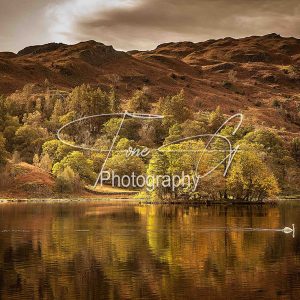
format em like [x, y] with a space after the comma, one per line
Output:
[79, 163]
[56, 150]
[123, 165]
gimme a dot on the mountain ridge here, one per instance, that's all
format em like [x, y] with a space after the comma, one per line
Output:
[246, 74]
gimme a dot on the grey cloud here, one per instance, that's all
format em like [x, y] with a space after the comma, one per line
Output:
[144, 23]
[150, 22]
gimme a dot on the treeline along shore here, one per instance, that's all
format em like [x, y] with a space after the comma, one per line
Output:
[34, 163]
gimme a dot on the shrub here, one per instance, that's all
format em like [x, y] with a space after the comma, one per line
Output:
[67, 181]
[276, 103]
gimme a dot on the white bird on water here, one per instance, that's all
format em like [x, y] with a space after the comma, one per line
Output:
[286, 230]
[289, 230]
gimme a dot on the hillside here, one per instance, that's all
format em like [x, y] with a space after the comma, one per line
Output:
[24, 180]
[257, 75]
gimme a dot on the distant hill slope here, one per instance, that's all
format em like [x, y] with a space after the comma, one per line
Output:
[258, 75]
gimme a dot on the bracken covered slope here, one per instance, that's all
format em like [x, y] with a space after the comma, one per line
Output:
[258, 75]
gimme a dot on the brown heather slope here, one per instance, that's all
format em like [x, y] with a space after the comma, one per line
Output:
[246, 75]
[24, 180]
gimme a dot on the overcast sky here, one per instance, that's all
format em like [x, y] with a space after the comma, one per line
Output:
[141, 24]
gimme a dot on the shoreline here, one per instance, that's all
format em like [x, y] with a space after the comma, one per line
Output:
[67, 200]
[131, 200]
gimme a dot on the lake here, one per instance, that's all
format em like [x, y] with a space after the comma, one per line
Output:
[128, 251]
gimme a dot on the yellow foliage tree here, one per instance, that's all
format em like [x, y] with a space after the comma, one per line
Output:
[250, 179]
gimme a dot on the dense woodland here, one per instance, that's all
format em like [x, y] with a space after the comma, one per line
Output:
[264, 167]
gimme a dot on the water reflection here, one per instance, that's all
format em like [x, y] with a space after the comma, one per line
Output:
[92, 251]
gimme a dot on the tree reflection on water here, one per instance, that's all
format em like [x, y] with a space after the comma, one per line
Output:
[91, 251]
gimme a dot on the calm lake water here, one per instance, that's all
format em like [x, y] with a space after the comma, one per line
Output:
[95, 251]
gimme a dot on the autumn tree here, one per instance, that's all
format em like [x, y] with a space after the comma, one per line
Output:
[98, 160]
[215, 119]
[58, 111]
[139, 102]
[175, 133]
[56, 150]
[3, 152]
[36, 160]
[16, 158]
[29, 140]
[8, 124]
[277, 156]
[124, 143]
[269, 139]
[79, 163]
[22, 101]
[250, 178]
[295, 149]
[67, 181]
[129, 129]
[115, 101]
[86, 101]
[110, 128]
[158, 165]
[46, 163]
[174, 160]
[123, 165]
[3, 112]
[175, 109]
[34, 118]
